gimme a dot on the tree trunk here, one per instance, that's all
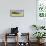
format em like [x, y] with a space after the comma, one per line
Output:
[38, 42]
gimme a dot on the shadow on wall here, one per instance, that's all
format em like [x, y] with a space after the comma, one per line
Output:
[8, 30]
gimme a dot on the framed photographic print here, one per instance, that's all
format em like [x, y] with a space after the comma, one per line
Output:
[17, 13]
[41, 8]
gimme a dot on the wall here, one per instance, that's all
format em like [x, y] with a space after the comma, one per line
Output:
[24, 23]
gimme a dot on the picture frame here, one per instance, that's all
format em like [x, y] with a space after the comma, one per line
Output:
[17, 13]
[41, 8]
